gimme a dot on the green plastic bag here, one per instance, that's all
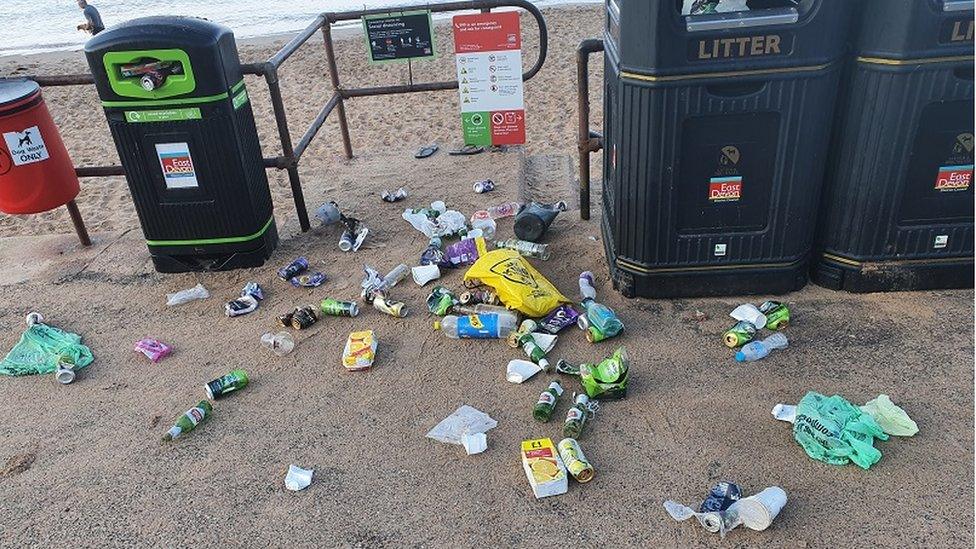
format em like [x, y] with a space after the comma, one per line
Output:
[40, 349]
[834, 431]
[892, 419]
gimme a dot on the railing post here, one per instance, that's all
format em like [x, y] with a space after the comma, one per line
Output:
[271, 76]
[585, 144]
[334, 76]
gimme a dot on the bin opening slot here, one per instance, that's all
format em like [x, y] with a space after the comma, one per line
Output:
[711, 15]
[957, 5]
[149, 74]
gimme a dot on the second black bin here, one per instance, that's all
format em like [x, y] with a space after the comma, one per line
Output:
[716, 130]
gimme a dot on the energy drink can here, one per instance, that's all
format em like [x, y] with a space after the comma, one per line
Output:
[720, 497]
[334, 307]
[777, 314]
[594, 335]
[221, 387]
[303, 317]
[293, 269]
[572, 456]
[743, 332]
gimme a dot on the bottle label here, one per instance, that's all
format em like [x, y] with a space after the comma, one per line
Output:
[483, 326]
[575, 414]
[195, 415]
[547, 398]
[554, 386]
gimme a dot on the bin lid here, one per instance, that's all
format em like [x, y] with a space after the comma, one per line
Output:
[15, 90]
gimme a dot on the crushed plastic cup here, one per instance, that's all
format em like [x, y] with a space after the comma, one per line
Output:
[298, 478]
[422, 274]
[474, 443]
[759, 511]
[188, 295]
[280, 344]
[464, 421]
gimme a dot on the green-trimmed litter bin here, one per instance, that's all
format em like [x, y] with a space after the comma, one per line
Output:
[174, 95]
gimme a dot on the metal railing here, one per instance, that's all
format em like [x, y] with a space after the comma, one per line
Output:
[588, 141]
[291, 154]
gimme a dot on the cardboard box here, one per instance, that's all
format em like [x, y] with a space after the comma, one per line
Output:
[544, 468]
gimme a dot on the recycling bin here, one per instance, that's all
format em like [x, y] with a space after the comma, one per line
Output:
[898, 205]
[36, 173]
[174, 96]
[716, 129]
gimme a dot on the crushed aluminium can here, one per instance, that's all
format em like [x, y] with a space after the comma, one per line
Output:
[303, 317]
[484, 186]
[720, 497]
[254, 290]
[743, 332]
[229, 383]
[295, 268]
[386, 305]
[241, 306]
[577, 464]
[313, 280]
[394, 196]
[285, 320]
[777, 314]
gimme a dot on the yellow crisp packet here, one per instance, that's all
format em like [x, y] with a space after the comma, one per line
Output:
[360, 351]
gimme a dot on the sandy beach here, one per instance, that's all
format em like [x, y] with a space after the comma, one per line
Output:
[81, 465]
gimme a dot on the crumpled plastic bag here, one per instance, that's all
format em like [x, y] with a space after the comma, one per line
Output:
[464, 421]
[518, 285]
[835, 431]
[41, 348]
[447, 222]
[188, 295]
[892, 419]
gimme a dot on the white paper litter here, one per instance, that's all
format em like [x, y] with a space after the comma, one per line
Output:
[474, 443]
[464, 420]
[785, 412]
[298, 478]
[521, 370]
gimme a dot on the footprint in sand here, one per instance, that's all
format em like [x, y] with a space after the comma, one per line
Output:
[17, 464]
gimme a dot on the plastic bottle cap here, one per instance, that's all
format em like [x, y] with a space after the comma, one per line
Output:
[740, 356]
[437, 325]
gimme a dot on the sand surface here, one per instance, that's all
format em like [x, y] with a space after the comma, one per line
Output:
[82, 465]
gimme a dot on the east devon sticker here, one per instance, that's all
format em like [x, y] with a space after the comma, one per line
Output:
[177, 165]
[26, 146]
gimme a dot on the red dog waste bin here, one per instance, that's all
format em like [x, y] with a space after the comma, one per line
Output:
[36, 173]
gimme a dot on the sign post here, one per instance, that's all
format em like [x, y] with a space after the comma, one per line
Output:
[399, 36]
[488, 49]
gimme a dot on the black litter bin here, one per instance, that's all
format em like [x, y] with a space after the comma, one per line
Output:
[174, 96]
[898, 205]
[715, 136]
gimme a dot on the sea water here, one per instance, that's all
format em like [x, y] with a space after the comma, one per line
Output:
[33, 26]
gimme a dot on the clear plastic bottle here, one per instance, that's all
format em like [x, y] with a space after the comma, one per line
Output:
[508, 209]
[479, 326]
[760, 349]
[527, 249]
[281, 343]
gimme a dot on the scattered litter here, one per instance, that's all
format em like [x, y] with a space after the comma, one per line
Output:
[360, 351]
[186, 296]
[313, 280]
[478, 326]
[561, 317]
[481, 221]
[432, 255]
[394, 196]
[576, 418]
[328, 213]
[474, 443]
[335, 307]
[534, 219]
[441, 301]
[834, 431]
[777, 314]
[293, 269]
[544, 468]
[280, 344]
[42, 348]
[189, 420]
[476, 296]
[598, 321]
[546, 405]
[743, 332]
[300, 319]
[526, 249]
[892, 419]
[223, 386]
[65, 373]
[464, 252]
[501, 211]
[396, 309]
[520, 371]
[754, 512]
[297, 478]
[760, 349]
[354, 235]
[518, 284]
[608, 379]
[154, 349]
[436, 221]
[748, 312]
[464, 420]
[422, 274]
[532, 349]
[484, 186]
[241, 306]
[574, 460]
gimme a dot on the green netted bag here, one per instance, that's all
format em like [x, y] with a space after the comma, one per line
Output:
[41, 348]
[834, 431]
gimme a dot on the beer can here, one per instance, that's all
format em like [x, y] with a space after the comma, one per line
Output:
[227, 384]
[393, 308]
[777, 314]
[743, 332]
[285, 320]
[572, 456]
[295, 268]
[303, 317]
[594, 334]
[720, 497]
[346, 241]
[334, 307]
[313, 280]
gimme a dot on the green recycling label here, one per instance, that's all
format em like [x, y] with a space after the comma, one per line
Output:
[167, 115]
[240, 99]
[476, 128]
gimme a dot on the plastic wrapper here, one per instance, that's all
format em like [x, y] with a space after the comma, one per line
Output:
[188, 295]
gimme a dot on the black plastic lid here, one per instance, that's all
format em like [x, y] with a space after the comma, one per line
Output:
[15, 90]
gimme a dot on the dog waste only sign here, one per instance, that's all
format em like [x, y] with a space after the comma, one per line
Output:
[488, 49]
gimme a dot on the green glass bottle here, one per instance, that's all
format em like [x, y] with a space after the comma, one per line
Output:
[576, 417]
[189, 420]
[546, 404]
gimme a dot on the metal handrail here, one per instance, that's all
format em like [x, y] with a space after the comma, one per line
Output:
[587, 141]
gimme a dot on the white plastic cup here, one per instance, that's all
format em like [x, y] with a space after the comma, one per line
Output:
[422, 274]
[759, 511]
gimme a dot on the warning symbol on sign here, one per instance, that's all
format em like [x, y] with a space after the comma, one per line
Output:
[497, 118]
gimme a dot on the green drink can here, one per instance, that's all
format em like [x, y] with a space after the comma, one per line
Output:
[334, 307]
[777, 314]
[221, 387]
[743, 332]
